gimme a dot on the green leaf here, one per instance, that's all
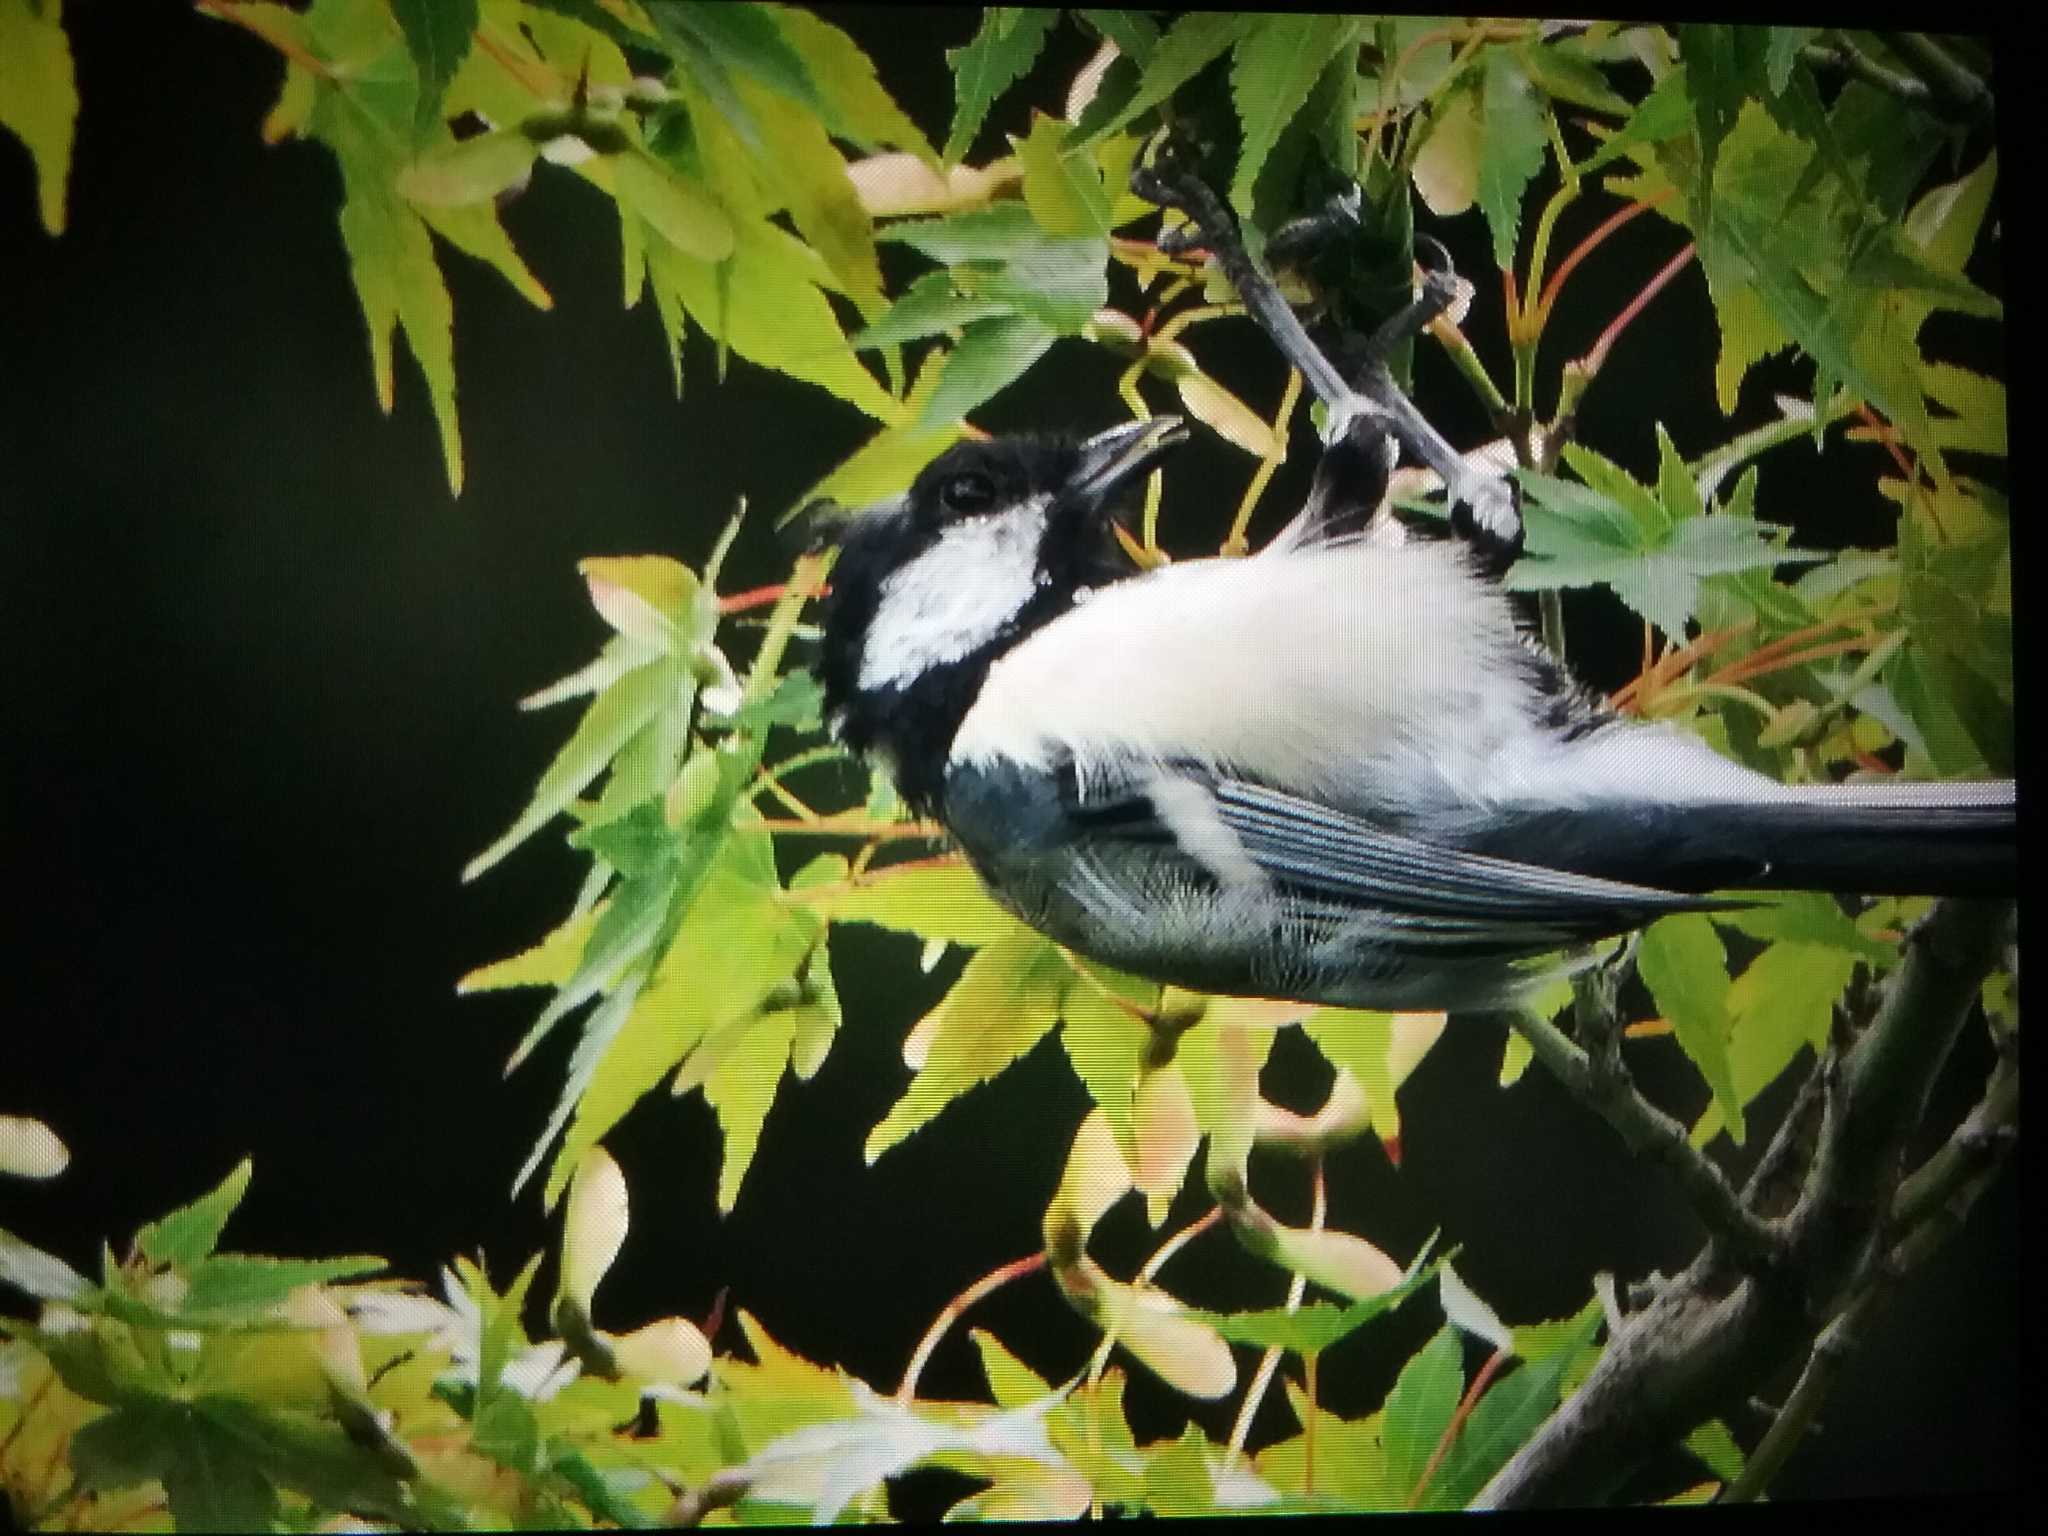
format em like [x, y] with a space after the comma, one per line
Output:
[467, 171]
[766, 304]
[1662, 115]
[1847, 284]
[1686, 969]
[1177, 1478]
[1273, 70]
[549, 963]
[886, 463]
[678, 210]
[851, 98]
[595, 15]
[1060, 283]
[1379, 1050]
[1002, 48]
[1340, 1462]
[1004, 1002]
[1420, 1407]
[210, 1485]
[131, 1444]
[1191, 42]
[1510, 1412]
[736, 943]
[796, 701]
[806, 176]
[991, 355]
[930, 899]
[1563, 73]
[437, 35]
[927, 307]
[1106, 1045]
[1010, 1381]
[608, 723]
[1781, 52]
[981, 234]
[1783, 1000]
[475, 231]
[1616, 533]
[1711, 1442]
[1135, 34]
[1063, 189]
[1807, 917]
[39, 97]
[236, 1286]
[1313, 1328]
[189, 1233]
[747, 40]
[1511, 149]
[743, 1088]
[599, 1030]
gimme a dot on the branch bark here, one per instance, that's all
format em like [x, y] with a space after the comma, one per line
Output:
[1717, 1330]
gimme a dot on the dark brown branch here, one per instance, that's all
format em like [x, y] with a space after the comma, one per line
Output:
[1599, 1081]
[1711, 1335]
[1930, 1204]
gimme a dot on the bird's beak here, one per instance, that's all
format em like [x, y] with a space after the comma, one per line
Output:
[1109, 460]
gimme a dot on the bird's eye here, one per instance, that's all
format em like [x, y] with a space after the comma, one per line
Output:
[968, 493]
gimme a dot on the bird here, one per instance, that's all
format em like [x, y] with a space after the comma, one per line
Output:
[1336, 770]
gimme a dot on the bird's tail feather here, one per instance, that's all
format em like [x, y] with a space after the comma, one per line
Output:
[1952, 839]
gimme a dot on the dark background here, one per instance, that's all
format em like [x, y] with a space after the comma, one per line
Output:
[261, 681]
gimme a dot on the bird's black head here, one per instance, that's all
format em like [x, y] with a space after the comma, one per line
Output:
[992, 540]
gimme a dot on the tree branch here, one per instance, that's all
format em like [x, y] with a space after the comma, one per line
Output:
[1715, 1331]
[1929, 1205]
[1598, 1079]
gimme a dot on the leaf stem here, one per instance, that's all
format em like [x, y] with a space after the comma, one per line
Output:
[993, 1281]
[1235, 543]
[255, 21]
[1586, 247]
[1480, 1379]
[1593, 360]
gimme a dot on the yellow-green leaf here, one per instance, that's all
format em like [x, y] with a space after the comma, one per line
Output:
[1064, 191]
[766, 305]
[1686, 969]
[856, 105]
[676, 208]
[931, 898]
[607, 724]
[465, 171]
[742, 1091]
[475, 231]
[1784, 1000]
[39, 96]
[737, 944]
[548, 964]
[1004, 1002]
[808, 177]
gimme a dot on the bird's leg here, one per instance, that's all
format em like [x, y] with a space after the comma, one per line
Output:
[1483, 508]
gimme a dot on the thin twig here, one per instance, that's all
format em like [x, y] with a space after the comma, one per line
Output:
[1952, 85]
[1646, 1129]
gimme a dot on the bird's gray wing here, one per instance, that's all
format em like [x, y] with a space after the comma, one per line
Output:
[1332, 864]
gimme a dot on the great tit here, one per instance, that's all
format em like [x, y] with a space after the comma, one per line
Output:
[1334, 770]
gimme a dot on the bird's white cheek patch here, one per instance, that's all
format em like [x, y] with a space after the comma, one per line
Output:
[955, 597]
